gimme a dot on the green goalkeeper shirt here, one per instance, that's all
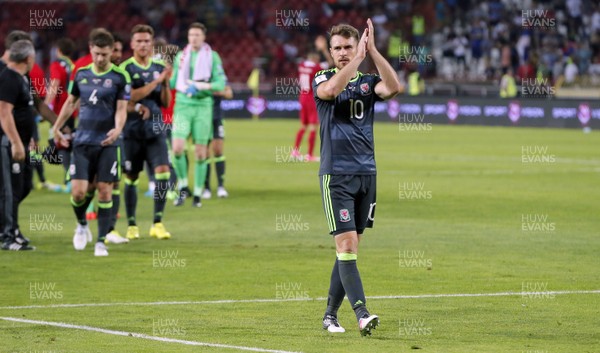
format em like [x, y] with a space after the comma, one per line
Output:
[217, 79]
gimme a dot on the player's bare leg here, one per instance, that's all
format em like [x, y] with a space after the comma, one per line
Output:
[312, 136]
[299, 135]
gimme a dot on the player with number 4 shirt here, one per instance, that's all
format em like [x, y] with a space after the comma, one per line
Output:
[101, 90]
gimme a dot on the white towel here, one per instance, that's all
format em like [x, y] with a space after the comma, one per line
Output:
[202, 68]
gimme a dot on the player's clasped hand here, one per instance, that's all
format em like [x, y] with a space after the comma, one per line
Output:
[361, 51]
[111, 137]
[60, 139]
[165, 75]
[371, 34]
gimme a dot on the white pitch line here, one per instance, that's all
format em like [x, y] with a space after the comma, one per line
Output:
[141, 335]
[499, 294]
[224, 301]
[525, 170]
[241, 301]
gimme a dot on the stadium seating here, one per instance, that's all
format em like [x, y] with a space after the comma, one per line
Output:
[242, 31]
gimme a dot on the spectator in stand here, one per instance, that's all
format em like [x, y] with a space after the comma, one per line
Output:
[460, 43]
[574, 11]
[496, 11]
[440, 13]
[527, 70]
[595, 25]
[508, 86]
[418, 29]
[571, 72]
[497, 19]
[416, 85]
[505, 55]
[583, 57]
[478, 32]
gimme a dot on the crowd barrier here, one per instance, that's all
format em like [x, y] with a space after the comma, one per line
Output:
[567, 113]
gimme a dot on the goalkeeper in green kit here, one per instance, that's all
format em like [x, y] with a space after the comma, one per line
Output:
[197, 72]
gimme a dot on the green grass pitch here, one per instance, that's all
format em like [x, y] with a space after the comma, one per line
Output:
[460, 210]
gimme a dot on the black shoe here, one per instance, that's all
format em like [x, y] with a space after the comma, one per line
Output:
[20, 238]
[197, 203]
[12, 244]
[183, 194]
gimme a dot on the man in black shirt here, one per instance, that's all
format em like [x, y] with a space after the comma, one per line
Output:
[19, 183]
[17, 118]
[345, 100]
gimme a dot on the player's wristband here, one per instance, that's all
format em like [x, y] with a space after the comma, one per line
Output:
[137, 107]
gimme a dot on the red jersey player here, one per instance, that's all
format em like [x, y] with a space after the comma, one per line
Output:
[60, 72]
[308, 110]
[60, 76]
[38, 80]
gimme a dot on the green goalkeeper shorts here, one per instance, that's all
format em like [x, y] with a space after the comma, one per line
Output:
[193, 119]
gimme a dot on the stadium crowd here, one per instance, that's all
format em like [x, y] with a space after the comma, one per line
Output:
[466, 40]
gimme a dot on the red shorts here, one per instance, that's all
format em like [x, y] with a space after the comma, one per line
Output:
[308, 110]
